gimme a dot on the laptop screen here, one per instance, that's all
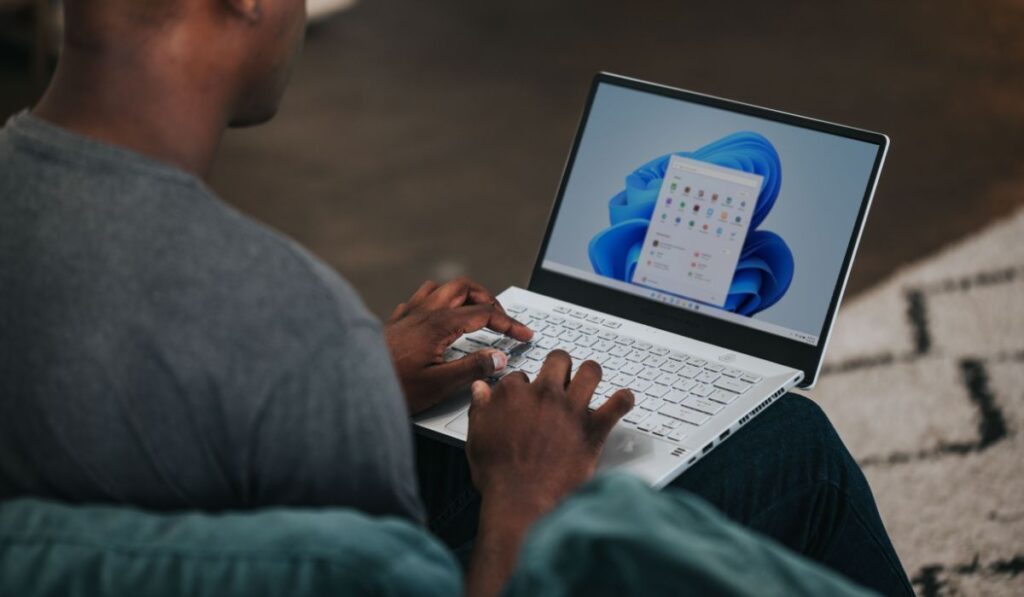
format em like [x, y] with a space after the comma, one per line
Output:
[733, 216]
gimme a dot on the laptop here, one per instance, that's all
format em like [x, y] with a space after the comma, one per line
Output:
[698, 249]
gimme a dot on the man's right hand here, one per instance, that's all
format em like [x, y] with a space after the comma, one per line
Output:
[530, 445]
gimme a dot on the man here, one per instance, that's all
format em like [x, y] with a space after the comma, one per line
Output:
[158, 348]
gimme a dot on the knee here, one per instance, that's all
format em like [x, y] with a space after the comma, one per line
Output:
[807, 434]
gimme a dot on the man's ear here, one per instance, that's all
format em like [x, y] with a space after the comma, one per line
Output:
[250, 10]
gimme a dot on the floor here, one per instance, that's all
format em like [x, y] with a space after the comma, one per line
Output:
[426, 139]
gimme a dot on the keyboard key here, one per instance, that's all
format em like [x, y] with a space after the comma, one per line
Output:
[622, 380]
[675, 396]
[671, 366]
[599, 358]
[595, 318]
[645, 425]
[531, 366]
[547, 342]
[705, 406]
[606, 335]
[644, 345]
[572, 325]
[637, 356]
[451, 354]
[465, 345]
[612, 324]
[750, 378]
[632, 368]
[537, 314]
[707, 376]
[603, 345]
[650, 374]
[697, 362]
[556, 319]
[729, 372]
[714, 367]
[619, 351]
[678, 434]
[684, 414]
[684, 385]
[561, 309]
[657, 391]
[484, 337]
[613, 363]
[636, 416]
[655, 361]
[598, 401]
[569, 336]
[678, 356]
[589, 330]
[733, 385]
[515, 308]
[661, 352]
[578, 314]
[625, 341]
[689, 371]
[586, 340]
[580, 353]
[667, 379]
[702, 390]
[537, 354]
[720, 395]
[639, 386]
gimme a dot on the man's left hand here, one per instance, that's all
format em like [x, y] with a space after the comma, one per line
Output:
[421, 329]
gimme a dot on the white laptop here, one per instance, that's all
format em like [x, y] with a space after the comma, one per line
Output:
[697, 249]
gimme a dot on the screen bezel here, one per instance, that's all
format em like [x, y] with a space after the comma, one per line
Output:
[733, 336]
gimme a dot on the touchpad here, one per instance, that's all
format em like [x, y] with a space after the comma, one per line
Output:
[459, 425]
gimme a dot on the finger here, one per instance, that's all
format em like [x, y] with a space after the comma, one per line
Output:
[603, 419]
[421, 293]
[582, 386]
[450, 295]
[461, 372]
[555, 372]
[399, 312]
[463, 320]
[481, 395]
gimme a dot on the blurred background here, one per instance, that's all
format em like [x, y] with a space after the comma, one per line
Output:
[426, 139]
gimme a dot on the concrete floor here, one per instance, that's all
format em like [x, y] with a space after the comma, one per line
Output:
[426, 139]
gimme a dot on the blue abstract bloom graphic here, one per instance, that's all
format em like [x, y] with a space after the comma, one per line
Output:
[765, 267]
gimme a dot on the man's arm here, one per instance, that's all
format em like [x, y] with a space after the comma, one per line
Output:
[530, 445]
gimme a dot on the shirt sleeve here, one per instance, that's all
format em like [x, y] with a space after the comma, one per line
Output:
[334, 431]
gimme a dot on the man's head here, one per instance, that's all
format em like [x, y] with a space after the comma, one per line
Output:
[240, 51]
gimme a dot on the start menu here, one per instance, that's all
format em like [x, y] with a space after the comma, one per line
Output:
[697, 230]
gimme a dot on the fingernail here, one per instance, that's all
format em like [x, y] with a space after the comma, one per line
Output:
[478, 388]
[500, 360]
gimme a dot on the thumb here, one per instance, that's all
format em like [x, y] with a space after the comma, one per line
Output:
[461, 372]
[603, 419]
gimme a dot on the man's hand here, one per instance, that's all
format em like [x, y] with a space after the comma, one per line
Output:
[420, 330]
[529, 445]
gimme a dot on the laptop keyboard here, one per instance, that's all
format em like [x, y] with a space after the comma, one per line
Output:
[675, 392]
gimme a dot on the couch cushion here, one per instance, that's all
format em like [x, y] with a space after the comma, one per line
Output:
[53, 549]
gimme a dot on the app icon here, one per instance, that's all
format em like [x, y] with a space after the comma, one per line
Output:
[678, 219]
[710, 211]
[686, 190]
[692, 223]
[656, 242]
[668, 201]
[705, 226]
[728, 200]
[714, 197]
[663, 216]
[682, 204]
[673, 187]
[700, 193]
[718, 232]
[696, 254]
[696, 208]
[725, 216]
[743, 203]
[738, 219]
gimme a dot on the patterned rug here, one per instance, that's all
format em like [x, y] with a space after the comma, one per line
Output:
[925, 382]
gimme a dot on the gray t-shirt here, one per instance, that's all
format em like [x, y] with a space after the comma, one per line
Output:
[159, 348]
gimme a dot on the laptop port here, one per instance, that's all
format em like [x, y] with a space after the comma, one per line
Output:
[724, 435]
[708, 447]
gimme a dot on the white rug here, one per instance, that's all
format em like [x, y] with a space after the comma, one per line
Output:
[925, 382]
